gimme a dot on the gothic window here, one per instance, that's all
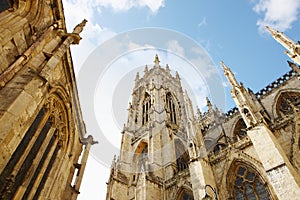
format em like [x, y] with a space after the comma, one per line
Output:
[41, 144]
[239, 130]
[171, 108]
[146, 108]
[247, 185]
[283, 106]
[182, 156]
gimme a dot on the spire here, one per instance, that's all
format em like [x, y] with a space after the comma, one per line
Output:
[292, 47]
[209, 105]
[137, 77]
[229, 75]
[146, 69]
[281, 38]
[156, 61]
[168, 68]
[177, 76]
[199, 112]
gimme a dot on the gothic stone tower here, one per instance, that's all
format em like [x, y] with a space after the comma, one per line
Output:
[41, 126]
[250, 152]
[158, 143]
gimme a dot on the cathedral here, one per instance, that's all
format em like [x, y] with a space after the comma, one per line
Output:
[168, 152]
[42, 133]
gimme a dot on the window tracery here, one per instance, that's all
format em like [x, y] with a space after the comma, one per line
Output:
[247, 184]
[283, 106]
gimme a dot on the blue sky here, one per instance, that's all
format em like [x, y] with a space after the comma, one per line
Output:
[231, 31]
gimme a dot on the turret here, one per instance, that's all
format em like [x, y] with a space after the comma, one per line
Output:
[242, 99]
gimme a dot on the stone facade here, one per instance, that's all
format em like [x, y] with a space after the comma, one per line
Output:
[41, 126]
[250, 152]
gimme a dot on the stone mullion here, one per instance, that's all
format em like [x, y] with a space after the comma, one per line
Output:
[35, 164]
[45, 176]
[54, 175]
[30, 145]
[44, 167]
[59, 173]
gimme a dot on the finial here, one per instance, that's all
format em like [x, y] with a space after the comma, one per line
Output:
[209, 105]
[294, 67]
[168, 68]
[229, 75]
[177, 75]
[272, 31]
[78, 29]
[225, 68]
[199, 112]
[137, 77]
[146, 69]
[156, 61]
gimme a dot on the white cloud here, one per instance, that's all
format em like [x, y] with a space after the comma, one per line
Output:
[279, 14]
[124, 5]
[175, 47]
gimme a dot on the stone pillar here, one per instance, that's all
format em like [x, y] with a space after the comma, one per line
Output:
[201, 175]
[281, 174]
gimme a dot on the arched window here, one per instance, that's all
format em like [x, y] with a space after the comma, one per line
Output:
[239, 131]
[283, 106]
[182, 156]
[146, 108]
[171, 108]
[247, 184]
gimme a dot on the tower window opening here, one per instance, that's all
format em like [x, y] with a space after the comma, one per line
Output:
[146, 109]
[171, 108]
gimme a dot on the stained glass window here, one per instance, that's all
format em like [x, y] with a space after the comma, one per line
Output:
[248, 185]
